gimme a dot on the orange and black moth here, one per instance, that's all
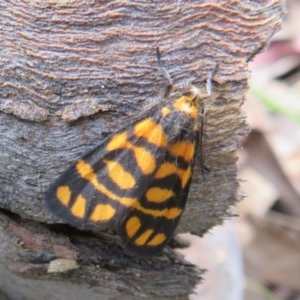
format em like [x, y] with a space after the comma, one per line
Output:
[137, 180]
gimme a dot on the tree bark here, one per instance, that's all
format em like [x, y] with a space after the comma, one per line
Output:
[74, 71]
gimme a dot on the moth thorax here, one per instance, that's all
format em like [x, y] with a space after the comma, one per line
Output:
[189, 103]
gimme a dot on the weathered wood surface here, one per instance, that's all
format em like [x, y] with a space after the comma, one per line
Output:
[74, 71]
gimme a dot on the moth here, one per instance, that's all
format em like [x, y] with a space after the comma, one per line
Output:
[137, 179]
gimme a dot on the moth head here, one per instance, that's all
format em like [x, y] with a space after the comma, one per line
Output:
[191, 93]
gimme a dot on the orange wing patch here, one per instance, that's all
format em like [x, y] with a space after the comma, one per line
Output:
[78, 208]
[184, 149]
[159, 195]
[102, 212]
[167, 169]
[63, 194]
[119, 176]
[151, 131]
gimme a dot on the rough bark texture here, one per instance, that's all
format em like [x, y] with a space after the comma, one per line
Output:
[74, 71]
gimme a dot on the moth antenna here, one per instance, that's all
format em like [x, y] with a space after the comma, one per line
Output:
[209, 83]
[164, 72]
[209, 87]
